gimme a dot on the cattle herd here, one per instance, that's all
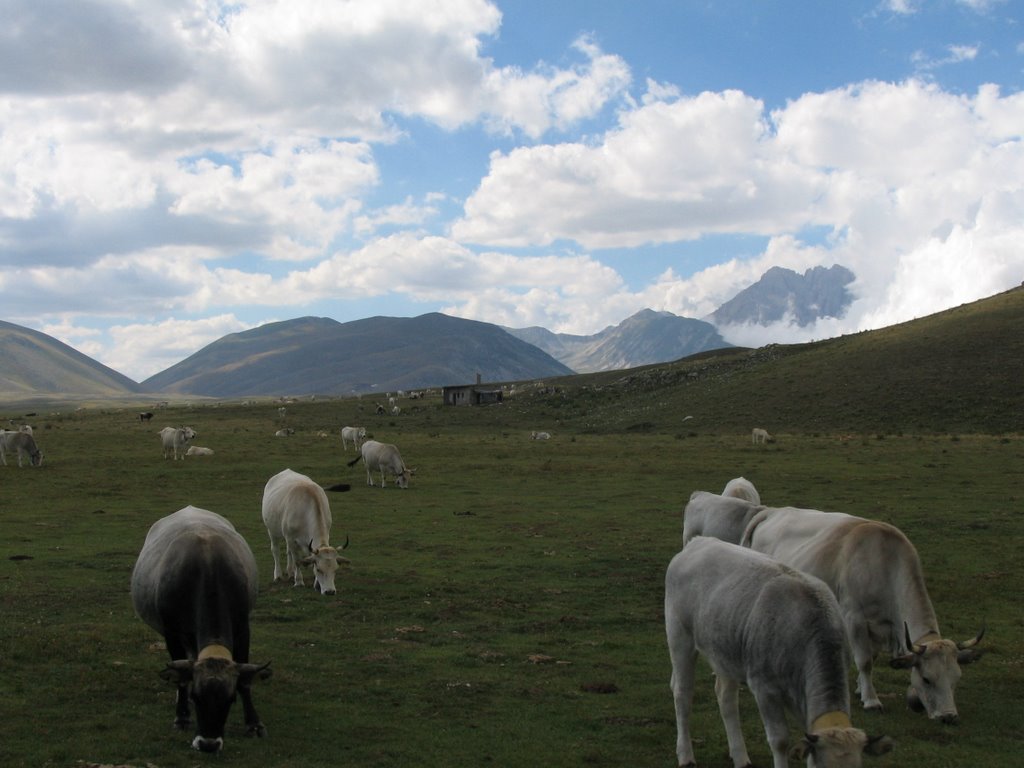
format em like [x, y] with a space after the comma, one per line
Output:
[779, 599]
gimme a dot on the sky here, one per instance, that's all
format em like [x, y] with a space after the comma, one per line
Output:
[173, 171]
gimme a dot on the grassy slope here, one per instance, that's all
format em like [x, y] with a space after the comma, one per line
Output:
[506, 609]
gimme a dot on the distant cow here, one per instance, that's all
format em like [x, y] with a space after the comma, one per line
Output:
[875, 572]
[296, 512]
[175, 440]
[761, 436]
[774, 629]
[540, 435]
[386, 458]
[198, 450]
[195, 583]
[741, 488]
[722, 517]
[23, 444]
[145, 416]
[284, 432]
[355, 434]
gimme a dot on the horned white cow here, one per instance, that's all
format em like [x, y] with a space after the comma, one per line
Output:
[21, 443]
[297, 513]
[741, 488]
[385, 458]
[355, 434]
[761, 436]
[199, 450]
[175, 440]
[778, 631]
[723, 517]
[876, 574]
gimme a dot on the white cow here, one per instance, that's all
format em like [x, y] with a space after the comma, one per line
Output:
[761, 436]
[386, 458]
[876, 574]
[296, 512]
[723, 517]
[741, 488]
[198, 450]
[23, 444]
[355, 434]
[287, 432]
[774, 629]
[540, 435]
[175, 440]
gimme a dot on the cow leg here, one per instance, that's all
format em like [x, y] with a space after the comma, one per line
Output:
[382, 478]
[295, 563]
[182, 717]
[684, 663]
[728, 694]
[863, 657]
[277, 560]
[776, 729]
[369, 477]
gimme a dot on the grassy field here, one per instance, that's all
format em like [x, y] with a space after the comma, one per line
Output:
[505, 610]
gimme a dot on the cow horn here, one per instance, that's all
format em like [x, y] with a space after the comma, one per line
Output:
[345, 546]
[911, 646]
[973, 642]
[311, 547]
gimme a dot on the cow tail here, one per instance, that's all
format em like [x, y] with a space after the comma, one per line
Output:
[355, 460]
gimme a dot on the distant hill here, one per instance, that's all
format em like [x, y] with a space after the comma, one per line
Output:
[818, 292]
[644, 338]
[313, 355]
[35, 364]
[957, 371]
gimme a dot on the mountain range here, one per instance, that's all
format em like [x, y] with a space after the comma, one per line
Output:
[311, 355]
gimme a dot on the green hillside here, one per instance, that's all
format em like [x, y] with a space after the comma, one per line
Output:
[957, 371]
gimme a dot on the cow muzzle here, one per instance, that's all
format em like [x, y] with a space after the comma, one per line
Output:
[204, 744]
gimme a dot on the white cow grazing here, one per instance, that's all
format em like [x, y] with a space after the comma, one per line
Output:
[198, 450]
[761, 436]
[386, 458]
[540, 435]
[296, 512]
[875, 572]
[723, 517]
[21, 443]
[355, 434]
[741, 488]
[284, 432]
[175, 440]
[774, 629]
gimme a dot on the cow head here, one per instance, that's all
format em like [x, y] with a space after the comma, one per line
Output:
[934, 672]
[213, 684]
[402, 479]
[325, 561]
[839, 747]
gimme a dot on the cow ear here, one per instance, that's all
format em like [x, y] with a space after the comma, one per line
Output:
[177, 672]
[903, 662]
[803, 748]
[968, 657]
[249, 672]
[878, 745]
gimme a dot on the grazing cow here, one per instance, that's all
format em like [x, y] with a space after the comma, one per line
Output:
[355, 434]
[395, 410]
[876, 574]
[741, 488]
[175, 440]
[774, 629]
[145, 416]
[386, 458]
[195, 583]
[380, 409]
[723, 517]
[296, 511]
[23, 444]
[540, 435]
[198, 450]
[761, 436]
[284, 432]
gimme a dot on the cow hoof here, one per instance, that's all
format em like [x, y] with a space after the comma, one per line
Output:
[259, 731]
[874, 706]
